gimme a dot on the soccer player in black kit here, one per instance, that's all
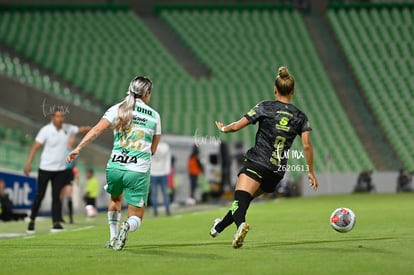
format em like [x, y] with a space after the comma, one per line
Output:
[265, 164]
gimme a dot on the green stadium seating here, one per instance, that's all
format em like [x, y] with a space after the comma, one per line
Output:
[17, 69]
[377, 44]
[14, 148]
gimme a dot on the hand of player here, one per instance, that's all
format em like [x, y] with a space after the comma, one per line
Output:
[27, 169]
[219, 125]
[72, 155]
[313, 182]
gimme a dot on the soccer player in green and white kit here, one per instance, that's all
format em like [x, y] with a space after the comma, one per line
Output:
[137, 131]
[266, 163]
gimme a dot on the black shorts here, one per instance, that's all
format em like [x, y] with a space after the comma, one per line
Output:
[268, 179]
[69, 176]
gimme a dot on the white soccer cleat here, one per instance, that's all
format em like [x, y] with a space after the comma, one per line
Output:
[213, 231]
[240, 235]
[122, 236]
[111, 243]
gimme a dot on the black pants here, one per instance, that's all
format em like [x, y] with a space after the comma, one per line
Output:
[193, 185]
[58, 179]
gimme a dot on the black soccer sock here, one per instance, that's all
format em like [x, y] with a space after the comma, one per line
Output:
[239, 207]
[226, 221]
[70, 207]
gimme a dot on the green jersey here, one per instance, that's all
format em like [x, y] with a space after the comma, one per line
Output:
[132, 149]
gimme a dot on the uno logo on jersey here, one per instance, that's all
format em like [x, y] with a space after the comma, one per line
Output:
[144, 111]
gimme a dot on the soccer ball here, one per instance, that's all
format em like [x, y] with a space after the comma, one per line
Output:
[90, 211]
[343, 219]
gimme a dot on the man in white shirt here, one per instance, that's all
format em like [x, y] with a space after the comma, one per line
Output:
[160, 169]
[54, 138]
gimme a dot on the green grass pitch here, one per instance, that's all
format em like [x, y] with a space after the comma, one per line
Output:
[287, 236]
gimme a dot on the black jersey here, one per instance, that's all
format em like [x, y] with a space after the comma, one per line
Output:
[279, 124]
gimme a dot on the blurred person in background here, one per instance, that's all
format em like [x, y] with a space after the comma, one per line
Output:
[54, 138]
[195, 169]
[404, 181]
[137, 132]
[265, 165]
[91, 193]
[364, 182]
[171, 181]
[70, 179]
[160, 169]
[6, 206]
[225, 167]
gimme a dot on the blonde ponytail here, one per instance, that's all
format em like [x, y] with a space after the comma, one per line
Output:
[124, 119]
[139, 87]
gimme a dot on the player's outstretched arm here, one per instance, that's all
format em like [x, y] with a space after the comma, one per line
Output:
[307, 147]
[93, 134]
[234, 126]
[84, 129]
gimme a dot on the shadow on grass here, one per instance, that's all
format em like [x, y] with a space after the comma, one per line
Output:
[165, 248]
[360, 244]
[177, 245]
